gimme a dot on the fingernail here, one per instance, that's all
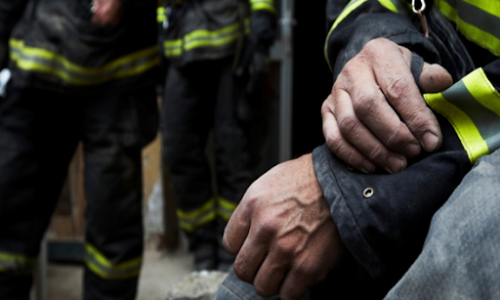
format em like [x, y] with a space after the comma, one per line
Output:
[412, 150]
[396, 164]
[430, 141]
[367, 167]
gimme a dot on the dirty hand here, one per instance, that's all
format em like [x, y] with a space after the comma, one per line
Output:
[107, 12]
[359, 124]
[282, 232]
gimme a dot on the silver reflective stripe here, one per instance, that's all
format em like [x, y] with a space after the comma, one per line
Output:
[478, 17]
[486, 121]
[78, 76]
[110, 273]
[10, 262]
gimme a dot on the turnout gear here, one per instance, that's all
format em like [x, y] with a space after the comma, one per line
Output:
[210, 46]
[383, 218]
[73, 80]
[55, 45]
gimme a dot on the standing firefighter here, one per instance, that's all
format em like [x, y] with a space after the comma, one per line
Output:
[217, 56]
[81, 71]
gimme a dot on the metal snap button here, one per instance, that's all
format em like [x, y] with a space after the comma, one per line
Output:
[368, 192]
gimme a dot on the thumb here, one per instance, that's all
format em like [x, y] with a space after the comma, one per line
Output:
[434, 78]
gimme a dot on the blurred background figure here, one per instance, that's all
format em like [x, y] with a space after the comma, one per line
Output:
[217, 56]
[85, 71]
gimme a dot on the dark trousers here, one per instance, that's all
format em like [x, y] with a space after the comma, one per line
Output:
[198, 99]
[39, 132]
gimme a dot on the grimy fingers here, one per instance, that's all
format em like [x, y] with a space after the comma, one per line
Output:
[398, 85]
[358, 135]
[271, 274]
[372, 108]
[251, 255]
[237, 228]
[338, 145]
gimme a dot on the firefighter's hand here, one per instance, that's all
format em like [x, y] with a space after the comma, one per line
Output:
[282, 232]
[360, 123]
[107, 12]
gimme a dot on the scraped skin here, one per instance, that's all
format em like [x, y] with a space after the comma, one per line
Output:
[360, 124]
[282, 232]
[107, 12]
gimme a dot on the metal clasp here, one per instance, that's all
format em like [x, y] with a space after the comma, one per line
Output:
[422, 7]
[419, 11]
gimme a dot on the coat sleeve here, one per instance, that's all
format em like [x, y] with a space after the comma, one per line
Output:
[383, 218]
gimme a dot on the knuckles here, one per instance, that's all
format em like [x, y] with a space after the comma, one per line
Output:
[377, 154]
[348, 124]
[241, 270]
[398, 89]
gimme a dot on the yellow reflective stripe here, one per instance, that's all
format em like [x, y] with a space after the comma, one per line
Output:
[96, 262]
[472, 106]
[192, 215]
[213, 42]
[172, 47]
[48, 55]
[480, 37]
[15, 262]
[263, 5]
[160, 14]
[389, 5]
[192, 220]
[17, 258]
[226, 204]
[467, 132]
[190, 227]
[483, 91]
[44, 61]
[207, 38]
[447, 10]
[39, 67]
[350, 7]
[491, 7]
[225, 208]
[473, 21]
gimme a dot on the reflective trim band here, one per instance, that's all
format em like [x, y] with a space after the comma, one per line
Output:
[486, 109]
[491, 7]
[472, 106]
[389, 5]
[98, 264]
[10, 262]
[172, 48]
[350, 7]
[225, 208]
[40, 60]
[160, 14]
[205, 38]
[478, 21]
[263, 5]
[190, 221]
